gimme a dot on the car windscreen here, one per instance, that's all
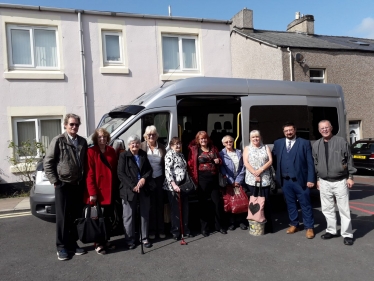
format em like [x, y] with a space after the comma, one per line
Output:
[110, 126]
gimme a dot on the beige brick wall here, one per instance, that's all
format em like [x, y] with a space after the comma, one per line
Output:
[254, 60]
[352, 70]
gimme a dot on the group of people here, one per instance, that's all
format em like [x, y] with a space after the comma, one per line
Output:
[145, 172]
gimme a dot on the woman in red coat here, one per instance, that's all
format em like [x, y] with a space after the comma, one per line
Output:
[101, 176]
[203, 167]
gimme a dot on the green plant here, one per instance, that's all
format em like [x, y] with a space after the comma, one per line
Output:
[26, 155]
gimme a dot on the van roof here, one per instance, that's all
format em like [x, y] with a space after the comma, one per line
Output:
[206, 86]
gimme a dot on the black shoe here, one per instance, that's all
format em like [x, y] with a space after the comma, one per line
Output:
[223, 231]
[232, 227]
[147, 244]
[175, 237]
[205, 233]
[348, 241]
[327, 235]
[62, 255]
[131, 246]
[243, 226]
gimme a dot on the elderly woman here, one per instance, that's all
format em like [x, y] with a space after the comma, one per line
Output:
[101, 177]
[232, 167]
[258, 159]
[135, 174]
[156, 154]
[175, 172]
[203, 167]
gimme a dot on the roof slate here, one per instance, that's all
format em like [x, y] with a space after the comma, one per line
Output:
[303, 40]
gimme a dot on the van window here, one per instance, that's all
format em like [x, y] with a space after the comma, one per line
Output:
[161, 120]
[269, 119]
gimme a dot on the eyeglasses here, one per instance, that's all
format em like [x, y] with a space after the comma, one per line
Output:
[228, 142]
[289, 130]
[203, 139]
[325, 129]
[152, 135]
[73, 124]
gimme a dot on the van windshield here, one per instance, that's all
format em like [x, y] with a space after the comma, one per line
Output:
[110, 126]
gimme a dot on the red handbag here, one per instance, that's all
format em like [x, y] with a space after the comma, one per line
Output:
[235, 200]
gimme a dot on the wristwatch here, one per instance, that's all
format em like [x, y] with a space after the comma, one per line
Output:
[350, 177]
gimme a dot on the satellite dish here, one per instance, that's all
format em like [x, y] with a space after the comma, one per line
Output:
[299, 58]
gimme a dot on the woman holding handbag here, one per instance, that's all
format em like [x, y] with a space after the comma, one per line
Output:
[203, 167]
[234, 170]
[175, 173]
[101, 177]
[257, 159]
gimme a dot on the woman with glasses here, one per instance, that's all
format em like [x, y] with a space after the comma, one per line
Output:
[203, 167]
[101, 177]
[135, 173]
[156, 154]
[175, 172]
[234, 170]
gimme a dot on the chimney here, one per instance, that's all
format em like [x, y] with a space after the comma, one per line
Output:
[243, 19]
[302, 23]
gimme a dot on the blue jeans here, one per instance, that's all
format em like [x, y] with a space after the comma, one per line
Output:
[292, 192]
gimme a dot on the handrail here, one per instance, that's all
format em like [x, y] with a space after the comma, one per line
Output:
[238, 128]
[180, 133]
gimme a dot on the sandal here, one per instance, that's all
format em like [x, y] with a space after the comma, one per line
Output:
[100, 250]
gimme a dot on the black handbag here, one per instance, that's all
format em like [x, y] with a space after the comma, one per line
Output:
[222, 180]
[92, 230]
[187, 185]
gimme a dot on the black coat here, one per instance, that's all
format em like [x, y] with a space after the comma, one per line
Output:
[128, 174]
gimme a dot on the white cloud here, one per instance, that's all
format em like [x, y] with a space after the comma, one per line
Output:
[365, 29]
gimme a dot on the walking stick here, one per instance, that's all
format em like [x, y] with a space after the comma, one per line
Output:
[140, 226]
[181, 220]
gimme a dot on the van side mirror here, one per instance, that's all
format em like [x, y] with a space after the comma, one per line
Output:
[119, 146]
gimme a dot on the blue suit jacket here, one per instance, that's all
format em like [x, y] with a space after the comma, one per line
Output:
[303, 164]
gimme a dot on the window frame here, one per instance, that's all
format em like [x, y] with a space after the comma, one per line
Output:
[37, 121]
[317, 78]
[31, 29]
[116, 33]
[180, 37]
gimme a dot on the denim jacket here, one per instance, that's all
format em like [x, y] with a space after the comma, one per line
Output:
[227, 167]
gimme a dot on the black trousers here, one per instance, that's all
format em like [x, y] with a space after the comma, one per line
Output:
[69, 206]
[156, 212]
[175, 213]
[208, 188]
[265, 192]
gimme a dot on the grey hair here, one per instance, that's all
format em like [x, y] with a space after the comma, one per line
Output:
[254, 133]
[150, 129]
[227, 137]
[132, 138]
[71, 115]
[324, 121]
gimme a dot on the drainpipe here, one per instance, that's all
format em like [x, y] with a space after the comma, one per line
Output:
[291, 64]
[83, 71]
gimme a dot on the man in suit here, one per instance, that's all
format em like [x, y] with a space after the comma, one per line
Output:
[293, 161]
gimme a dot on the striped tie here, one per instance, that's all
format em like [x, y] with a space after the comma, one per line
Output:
[289, 146]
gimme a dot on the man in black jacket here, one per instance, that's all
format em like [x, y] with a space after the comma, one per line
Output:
[64, 167]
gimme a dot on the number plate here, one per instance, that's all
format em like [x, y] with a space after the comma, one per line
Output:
[359, 156]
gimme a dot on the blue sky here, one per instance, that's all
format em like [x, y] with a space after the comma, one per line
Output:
[332, 17]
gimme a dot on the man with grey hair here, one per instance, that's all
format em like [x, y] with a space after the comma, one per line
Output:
[334, 167]
[64, 167]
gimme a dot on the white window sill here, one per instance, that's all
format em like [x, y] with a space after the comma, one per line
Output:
[176, 76]
[34, 74]
[114, 70]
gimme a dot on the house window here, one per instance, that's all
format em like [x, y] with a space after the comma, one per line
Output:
[112, 46]
[179, 53]
[32, 47]
[36, 129]
[317, 75]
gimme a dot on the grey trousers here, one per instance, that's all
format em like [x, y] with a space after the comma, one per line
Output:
[129, 216]
[175, 215]
[339, 190]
